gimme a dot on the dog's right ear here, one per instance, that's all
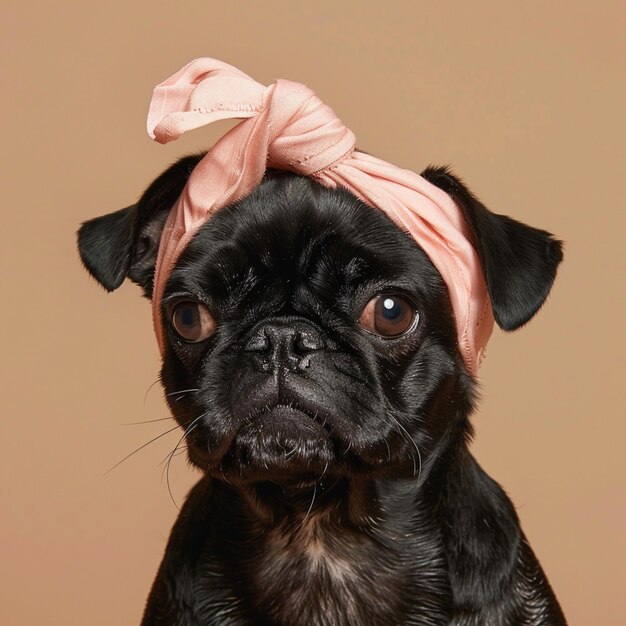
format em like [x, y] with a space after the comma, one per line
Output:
[125, 243]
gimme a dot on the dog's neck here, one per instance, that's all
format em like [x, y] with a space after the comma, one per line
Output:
[349, 542]
[332, 501]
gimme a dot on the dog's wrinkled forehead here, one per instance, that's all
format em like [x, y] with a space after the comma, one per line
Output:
[298, 238]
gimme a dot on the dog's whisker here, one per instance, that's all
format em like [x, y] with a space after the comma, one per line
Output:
[170, 456]
[179, 391]
[159, 419]
[141, 448]
[324, 472]
[306, 517]
[169, 486]
[145, 398]
[181, 394]
[417, 471]
[187, 431]
[181, 450]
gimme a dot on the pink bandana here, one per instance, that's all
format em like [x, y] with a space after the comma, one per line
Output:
[287, 127]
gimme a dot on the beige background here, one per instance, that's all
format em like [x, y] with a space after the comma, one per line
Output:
[526, 100]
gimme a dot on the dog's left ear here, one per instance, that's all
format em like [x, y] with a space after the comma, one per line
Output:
[519, 261]
[125, 243]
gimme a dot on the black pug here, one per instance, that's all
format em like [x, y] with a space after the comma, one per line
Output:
[322, 395]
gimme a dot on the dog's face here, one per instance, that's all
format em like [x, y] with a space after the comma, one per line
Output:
[315, 334]
[307, 335]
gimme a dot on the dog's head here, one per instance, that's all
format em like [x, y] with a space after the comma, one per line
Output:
[306, 334]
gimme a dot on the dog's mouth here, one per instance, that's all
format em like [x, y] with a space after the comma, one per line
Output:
[277, 442]
[295, 438]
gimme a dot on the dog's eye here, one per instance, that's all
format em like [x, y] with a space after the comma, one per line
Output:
[388, 315]
[192, 321]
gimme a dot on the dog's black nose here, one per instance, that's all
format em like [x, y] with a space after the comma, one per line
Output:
[285, 342]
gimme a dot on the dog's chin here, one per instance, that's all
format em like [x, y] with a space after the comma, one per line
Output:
[281, 443]
[291, 443]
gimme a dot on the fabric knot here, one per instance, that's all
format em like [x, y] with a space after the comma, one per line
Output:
[305, 134]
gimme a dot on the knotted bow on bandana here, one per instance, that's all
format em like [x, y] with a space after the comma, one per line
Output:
[287, 127]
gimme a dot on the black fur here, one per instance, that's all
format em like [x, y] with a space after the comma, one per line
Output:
[519, 261]
[338, 486]
[125, 243]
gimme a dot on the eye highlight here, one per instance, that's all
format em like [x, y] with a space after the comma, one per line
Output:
[192, 321]
[388, 315]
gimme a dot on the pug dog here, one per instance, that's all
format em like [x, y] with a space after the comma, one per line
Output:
[311, 349]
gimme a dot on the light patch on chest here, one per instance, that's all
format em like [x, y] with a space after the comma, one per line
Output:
[319, 572]
[310, 547]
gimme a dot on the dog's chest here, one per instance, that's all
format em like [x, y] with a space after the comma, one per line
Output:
[315, 575]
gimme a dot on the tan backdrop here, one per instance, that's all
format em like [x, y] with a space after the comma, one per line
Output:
[524, 99]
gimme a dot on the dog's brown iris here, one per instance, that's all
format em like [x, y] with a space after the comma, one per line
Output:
[192, 321]
[388, 315]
